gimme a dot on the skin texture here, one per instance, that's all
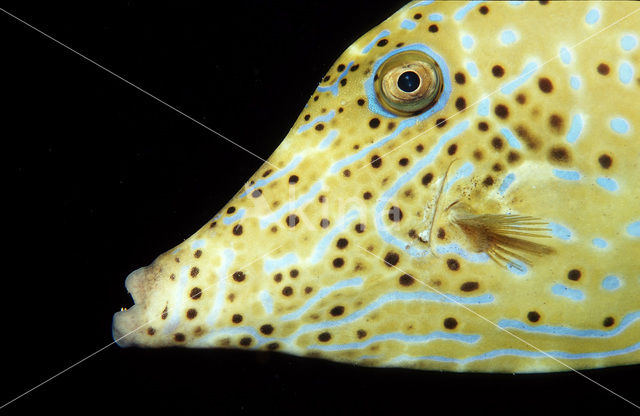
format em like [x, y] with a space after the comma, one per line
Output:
[365, 238]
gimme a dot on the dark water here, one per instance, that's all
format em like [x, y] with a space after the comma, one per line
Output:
[99, 179]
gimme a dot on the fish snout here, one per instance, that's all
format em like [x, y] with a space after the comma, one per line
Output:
[131, 324]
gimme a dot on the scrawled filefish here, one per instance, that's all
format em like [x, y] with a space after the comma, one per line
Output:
[460, 193]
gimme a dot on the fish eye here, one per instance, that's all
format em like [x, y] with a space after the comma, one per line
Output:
[408, 83]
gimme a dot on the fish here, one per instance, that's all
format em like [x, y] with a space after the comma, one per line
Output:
[459, 194]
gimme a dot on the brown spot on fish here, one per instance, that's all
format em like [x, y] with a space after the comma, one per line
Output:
[239, 276]
[324, 337]
[497, 71]
[557, 123]
[406, 280]
[441, 122]
[266, 329]
[461, 103]
[453, 264]
[533, 316]
[521, 98]
[395, 214]
[608, 321]
[376, 161]
[605, 161]
[236, 318]
[433, 28]
[531, 141]
[483, 126]
[603, 69]
[469, 286]
[337, 310]
[574, 274]
[391, 259]
[450, 323]
[502, 111]
[195, 293]
[460, 78]
[497, 143]
[545, 85]
[559, 154]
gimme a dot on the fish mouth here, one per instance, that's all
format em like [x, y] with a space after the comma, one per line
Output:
[127, 323]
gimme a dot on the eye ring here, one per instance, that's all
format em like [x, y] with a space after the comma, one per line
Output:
[408, 83]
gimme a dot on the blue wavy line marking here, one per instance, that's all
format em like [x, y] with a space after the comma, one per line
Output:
[277, 175]
[565, 56]
[576, 121]
[567, 175]
[523, 353]
[334, 87]
[322, 293]
[633, 229]
[271, 265]
[464, 171]
[564, 331]
[397, 297]
[456, 249]
[511, 138]
[227, 258]
[422, 3]
[619, 125]
[401, 337]
[200, 243]
[323, 118]
[524, 76]
[611, 283]
[625, 72]
[267, 301]
[560, 231]
[234, 218]
[323, 245]
[408, 24]
[291, 206]
[483, 107]
[575, 82]
[403, 180]
[328, 140]
[599, 242]
[177, 303]
[517, 267]
[506, 183]
[375, 40]
[461, 13]
[472, 68]
[567, 292]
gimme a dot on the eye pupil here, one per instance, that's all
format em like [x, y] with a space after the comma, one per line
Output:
[408, 81]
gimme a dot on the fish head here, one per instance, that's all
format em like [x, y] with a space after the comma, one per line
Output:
[425, 198]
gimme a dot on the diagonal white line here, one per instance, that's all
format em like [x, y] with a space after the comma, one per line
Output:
[139, 89]
[112, 342]
[521, 76]
[503, 329]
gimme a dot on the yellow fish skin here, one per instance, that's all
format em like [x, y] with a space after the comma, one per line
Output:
[365, 237]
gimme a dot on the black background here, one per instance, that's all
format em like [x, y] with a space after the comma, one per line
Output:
[98, 179]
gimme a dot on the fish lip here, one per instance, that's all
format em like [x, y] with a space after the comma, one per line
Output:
[126, 323]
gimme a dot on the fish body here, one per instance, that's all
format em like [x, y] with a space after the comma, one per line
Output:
[490, 224]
